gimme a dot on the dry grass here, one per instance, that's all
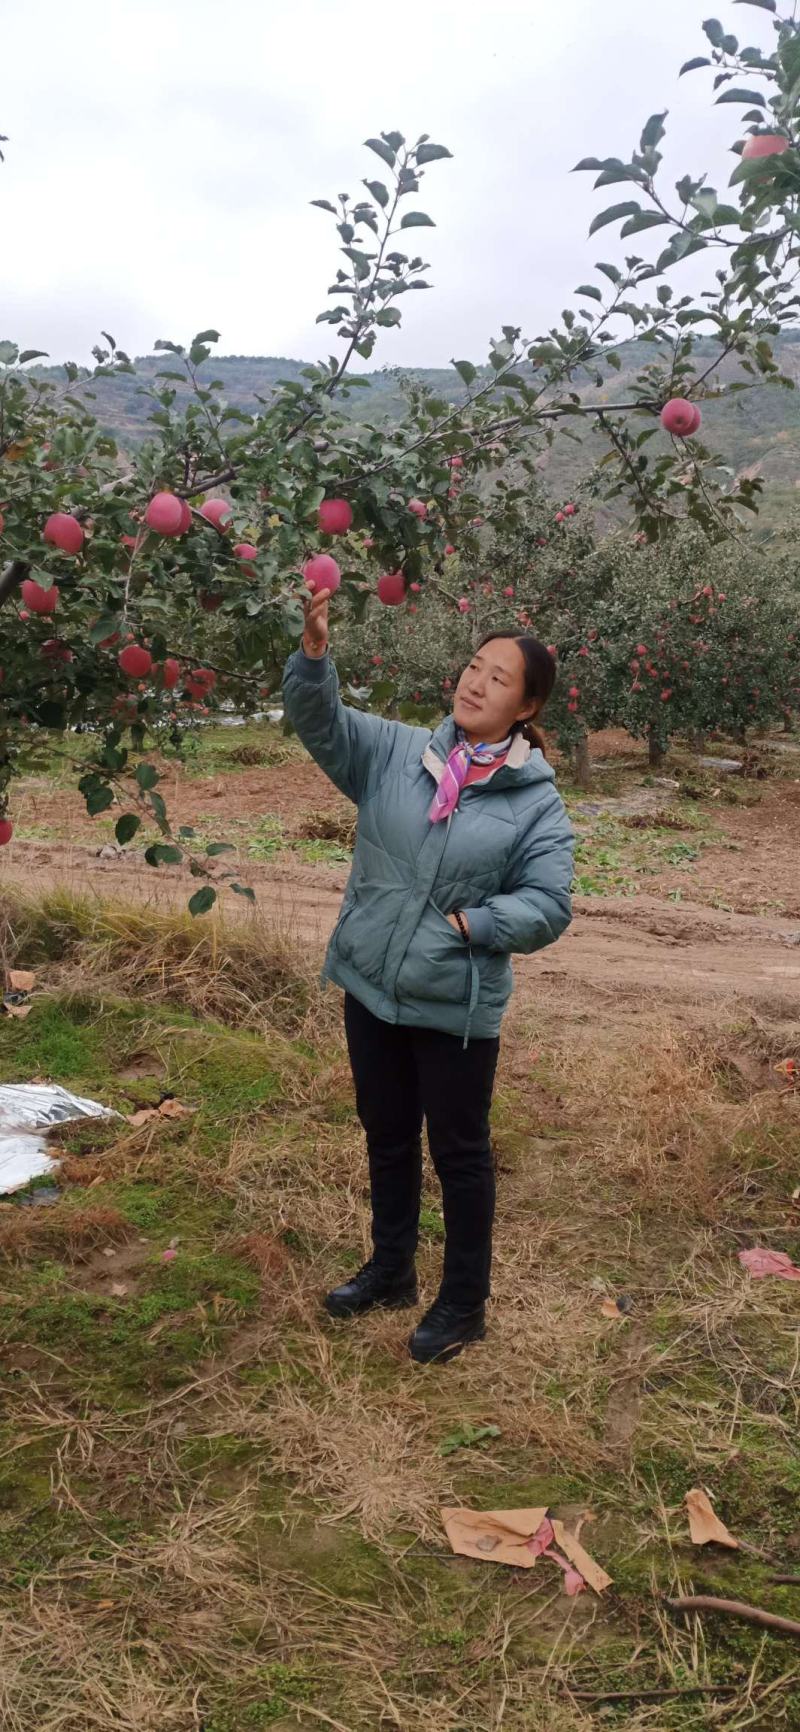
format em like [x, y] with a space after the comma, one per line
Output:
[263, 1529]
[247, 973]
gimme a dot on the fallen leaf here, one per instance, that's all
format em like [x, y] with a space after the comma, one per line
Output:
[109, 1250]
[705, 1527]
[118, 1289]
[169, 1109]
[105, 1605]
[18, 1010]
[617, 1308]
[760, 1262]
[172, 1109]
[21, 980]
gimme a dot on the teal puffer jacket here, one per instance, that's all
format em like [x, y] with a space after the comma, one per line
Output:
[504, 858]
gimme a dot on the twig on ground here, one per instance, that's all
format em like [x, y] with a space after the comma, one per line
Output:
[735, 1609]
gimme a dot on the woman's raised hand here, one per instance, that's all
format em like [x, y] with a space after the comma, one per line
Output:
[315, 633]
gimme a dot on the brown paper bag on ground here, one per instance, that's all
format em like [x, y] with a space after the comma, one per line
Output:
[704, 1525]
[502, 1537]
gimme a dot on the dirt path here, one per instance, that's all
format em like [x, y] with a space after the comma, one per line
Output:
[622, 946]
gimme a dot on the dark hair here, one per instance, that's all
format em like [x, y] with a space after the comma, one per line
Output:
[539, 677]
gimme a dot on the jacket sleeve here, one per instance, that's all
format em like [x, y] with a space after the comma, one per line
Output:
[535, 906]
[348, 744]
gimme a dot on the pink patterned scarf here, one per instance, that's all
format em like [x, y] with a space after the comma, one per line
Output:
[455, 773]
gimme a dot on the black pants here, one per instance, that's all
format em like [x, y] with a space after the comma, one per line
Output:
[403, 1075]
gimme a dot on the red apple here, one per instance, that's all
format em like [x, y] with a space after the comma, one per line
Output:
[697, 419]
[574, 691]
[462, 604]
[456, 462]
[186, 517]
[415, 588]
[2, 523]
[6, 831]
[135, 661]
[216, 511]
[322, 572]
[678, 417]
[64, 531]
[245, 550]
[764, 144]
[39, 600]
[392, 588]
[170, 673]
[335, 516]
[209, 603]
[572, 707]
[56, 650]
[449, 548]
[418, 507]
[570, 510]
[559, 517]
[165, 514]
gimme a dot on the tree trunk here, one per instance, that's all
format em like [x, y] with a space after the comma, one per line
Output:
[697, 741]
[655, 751]
[583, 763]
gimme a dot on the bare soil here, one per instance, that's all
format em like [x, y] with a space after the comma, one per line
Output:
[726, 927]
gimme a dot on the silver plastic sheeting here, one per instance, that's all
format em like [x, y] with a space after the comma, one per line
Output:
[27, 1112]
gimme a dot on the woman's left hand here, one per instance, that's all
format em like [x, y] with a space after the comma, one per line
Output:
[454, 923]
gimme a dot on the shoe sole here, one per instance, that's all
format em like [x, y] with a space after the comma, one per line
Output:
[405, 1303]
[445, 1353]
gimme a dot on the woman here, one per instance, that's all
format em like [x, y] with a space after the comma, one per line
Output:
[463, 855]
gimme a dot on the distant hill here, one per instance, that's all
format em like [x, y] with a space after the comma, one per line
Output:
[758, 428]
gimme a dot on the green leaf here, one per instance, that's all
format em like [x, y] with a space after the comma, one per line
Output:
[692, 65]
[186, 830]
[31, 355]
[765, 5]
[381, 149]
[325, 204]
[205, 337]
[394, 139]
[416, 219]
[589, 289]
[147, 776]
[388, 316]
[466, 371]
[126, 827]
[705, 202]
[647, 219]
[379, 192]
[610, 271]
[653, 131]
[467, 1437]
[244, 890]
[8, 353]
[163, 854]
[742, 96]
[714, 31]
[586, 163]
[202, 900]
[215, 848]
[159, 811]
[432, 152]
[614, 214]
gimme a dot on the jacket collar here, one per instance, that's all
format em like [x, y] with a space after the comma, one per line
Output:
[443, 741]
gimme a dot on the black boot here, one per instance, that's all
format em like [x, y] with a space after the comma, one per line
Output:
[394, 1289]
[445, 1329]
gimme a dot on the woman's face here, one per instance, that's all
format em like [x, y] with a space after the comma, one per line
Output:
[490, 695]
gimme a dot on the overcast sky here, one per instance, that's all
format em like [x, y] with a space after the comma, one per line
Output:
[163, 154]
